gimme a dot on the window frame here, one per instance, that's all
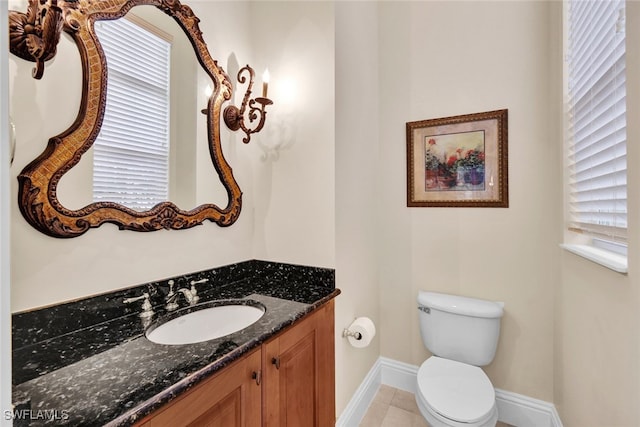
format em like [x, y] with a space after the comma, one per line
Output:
[609, 251]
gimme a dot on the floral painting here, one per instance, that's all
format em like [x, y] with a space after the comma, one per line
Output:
[454, 161]
[458, 161]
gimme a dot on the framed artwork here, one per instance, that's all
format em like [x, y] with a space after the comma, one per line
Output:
[458, 161]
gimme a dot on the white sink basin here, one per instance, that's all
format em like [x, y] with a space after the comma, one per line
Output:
[206, 324]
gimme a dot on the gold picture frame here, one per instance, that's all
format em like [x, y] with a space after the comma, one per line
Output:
[458, 161]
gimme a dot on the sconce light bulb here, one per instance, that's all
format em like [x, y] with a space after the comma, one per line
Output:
[265, 82]
[208, 91]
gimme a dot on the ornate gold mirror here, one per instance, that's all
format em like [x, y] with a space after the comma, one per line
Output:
[34, 36]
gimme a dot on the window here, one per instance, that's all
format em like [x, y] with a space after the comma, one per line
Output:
[597, 119]
[131, 154]
[596, 133]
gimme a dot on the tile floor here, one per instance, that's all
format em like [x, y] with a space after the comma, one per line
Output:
[395, 408]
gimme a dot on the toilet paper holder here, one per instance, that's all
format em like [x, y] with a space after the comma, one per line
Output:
[360, 332]
[347, 333]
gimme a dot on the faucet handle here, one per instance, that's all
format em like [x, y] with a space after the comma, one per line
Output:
[134, 299]
[194, 292]
[170, 299]
[147, 308]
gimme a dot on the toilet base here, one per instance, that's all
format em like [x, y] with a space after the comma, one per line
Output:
[437, 420]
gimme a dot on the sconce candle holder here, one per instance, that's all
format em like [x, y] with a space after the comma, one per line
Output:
[234, 117]
[34, 35]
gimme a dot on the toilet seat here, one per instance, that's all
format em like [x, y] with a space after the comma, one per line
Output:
[456, 393]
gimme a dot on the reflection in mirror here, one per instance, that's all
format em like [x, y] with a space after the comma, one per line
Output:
[131, 152]
[146, 150]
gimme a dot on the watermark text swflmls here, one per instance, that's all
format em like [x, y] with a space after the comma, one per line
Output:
[40, 414]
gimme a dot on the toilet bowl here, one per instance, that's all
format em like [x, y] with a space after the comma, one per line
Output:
[462, 334]
[455, 394]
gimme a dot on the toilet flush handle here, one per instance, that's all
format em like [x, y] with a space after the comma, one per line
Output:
[424, 309]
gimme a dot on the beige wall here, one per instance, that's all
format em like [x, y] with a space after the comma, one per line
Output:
[293, 164]
[435, 59]
[441, 59]
[357, 188]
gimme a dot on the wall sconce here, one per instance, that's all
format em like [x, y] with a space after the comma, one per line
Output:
[34, 35]
[234, 118]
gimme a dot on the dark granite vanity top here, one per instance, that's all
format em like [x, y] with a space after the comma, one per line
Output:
[87, 362]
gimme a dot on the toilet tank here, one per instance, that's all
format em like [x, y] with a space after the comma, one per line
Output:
[460, 328]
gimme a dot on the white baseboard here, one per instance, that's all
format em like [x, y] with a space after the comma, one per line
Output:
[398, 374]
[362, 398]
[513, 409]
[522, 411]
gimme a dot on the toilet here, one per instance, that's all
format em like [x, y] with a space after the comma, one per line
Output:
[462, 333]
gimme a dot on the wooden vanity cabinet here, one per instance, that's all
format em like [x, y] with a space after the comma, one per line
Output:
[299, 373]
[230, 398]
[288, 382]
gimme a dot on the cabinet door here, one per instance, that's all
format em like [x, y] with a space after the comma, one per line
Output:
[231, 398]
[299, 373]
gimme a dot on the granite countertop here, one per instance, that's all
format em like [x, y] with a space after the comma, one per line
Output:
[87, 362]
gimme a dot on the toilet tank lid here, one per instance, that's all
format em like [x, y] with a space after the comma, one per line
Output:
[461, 305]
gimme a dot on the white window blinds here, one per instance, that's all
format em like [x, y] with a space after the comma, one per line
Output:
[597, 118]
[131, 154]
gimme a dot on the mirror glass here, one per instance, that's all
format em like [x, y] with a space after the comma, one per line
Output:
[148, 147]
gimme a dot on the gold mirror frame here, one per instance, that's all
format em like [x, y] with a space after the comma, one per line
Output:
[34, 36]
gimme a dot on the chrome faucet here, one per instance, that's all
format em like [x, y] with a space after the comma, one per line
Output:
[191, 295]
[147, 308]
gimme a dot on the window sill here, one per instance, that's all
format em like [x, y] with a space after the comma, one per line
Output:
[611, 260]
